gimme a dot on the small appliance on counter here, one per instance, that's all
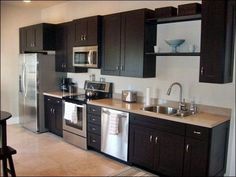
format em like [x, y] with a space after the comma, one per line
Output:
[67, 85]
[129, 96]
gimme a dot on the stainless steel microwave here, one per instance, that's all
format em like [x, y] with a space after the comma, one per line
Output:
[86, 56]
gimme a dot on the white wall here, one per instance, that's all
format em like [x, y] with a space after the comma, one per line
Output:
[169, 69]
[11, 19]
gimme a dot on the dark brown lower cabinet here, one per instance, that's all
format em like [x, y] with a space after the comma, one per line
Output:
[174, 149]
[156, 150]
[94, 127]
[53, 115]
[141, 149]
[195, 161]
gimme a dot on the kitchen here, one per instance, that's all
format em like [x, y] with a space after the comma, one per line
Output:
[168, 69]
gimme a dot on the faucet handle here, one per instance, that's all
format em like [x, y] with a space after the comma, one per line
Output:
[182, 106]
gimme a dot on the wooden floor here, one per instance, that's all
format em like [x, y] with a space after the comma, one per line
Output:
[48, 155]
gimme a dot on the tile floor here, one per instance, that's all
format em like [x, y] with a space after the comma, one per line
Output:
[48, 155]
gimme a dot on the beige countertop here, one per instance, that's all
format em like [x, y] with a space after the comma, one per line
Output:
[57, 94]
[200, 119]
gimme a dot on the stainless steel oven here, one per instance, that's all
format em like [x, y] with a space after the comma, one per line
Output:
[74, 131]
[86, 56]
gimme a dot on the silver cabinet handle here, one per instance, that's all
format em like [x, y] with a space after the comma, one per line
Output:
[93, 128]
[197, 132]
[117, 68]
[150, 138]
[187, 147]
[122, 68]
[94, 141]
[93, 119]
[156, 139]
[51, 110]
[58, 101]
[82, 37]
[85, 37]
[202, 70]
[48, 99]
[93, 110]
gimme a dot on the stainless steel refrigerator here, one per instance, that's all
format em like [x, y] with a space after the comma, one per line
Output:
[37, 75]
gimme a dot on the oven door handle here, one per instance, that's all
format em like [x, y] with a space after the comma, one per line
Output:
[80, 106]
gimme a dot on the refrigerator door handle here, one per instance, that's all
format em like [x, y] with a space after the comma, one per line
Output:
[20, 84]
[23, 78]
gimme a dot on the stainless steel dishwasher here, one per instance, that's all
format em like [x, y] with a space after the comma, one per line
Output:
[115, 128]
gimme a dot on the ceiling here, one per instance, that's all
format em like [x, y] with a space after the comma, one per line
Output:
[34, 4]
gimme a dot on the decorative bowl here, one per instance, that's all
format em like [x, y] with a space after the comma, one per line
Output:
[174, 43]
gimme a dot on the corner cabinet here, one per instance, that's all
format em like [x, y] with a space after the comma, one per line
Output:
[175, 149]
[64, 46]
[37, 38]
[217, 41]
[88, 31]
[53, 114]
[126, 39]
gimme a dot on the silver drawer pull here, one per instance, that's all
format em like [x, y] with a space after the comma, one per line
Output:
[197, 132]
[94, 141]
[93, 119]
[156, 139]
[93, 110]
[150, 138]
[187, 147]
[93, 128]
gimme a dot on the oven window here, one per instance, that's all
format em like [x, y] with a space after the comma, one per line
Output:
[79, 124]
[81, 57]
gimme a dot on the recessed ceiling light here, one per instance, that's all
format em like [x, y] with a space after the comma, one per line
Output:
[27, 1]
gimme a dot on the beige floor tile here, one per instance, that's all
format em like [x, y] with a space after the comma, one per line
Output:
[48, 155]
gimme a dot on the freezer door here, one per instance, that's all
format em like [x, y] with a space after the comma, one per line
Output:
[30, 92]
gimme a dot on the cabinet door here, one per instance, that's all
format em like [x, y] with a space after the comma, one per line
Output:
[111, 44]
[57, 111]
[61, 47]
[22, 43]
[30, 38]
[47, 111]
[141, 146]
[92, 30]
[169, 153]
[132, 44]
[217, 36]
[80, 32]
[196, 153]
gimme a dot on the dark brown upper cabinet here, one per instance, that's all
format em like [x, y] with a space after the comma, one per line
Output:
[64, 45]
[217, 41]
[37, 38]
[126, 37]
[87, 31]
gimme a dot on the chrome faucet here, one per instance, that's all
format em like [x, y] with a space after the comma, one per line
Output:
[182, 105]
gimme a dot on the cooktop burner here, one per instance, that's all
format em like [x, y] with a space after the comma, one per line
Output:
[93, 91]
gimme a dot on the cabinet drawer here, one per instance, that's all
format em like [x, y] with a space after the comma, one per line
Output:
[94, 141]
[94, 128]
[158, 124]
[95, 119]
[94, 109]
[53, 99]
[197, 132]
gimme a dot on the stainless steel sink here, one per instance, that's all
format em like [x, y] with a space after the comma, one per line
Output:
[160, 109]
[166, 110]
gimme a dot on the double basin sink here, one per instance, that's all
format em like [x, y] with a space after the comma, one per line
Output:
[166, 110]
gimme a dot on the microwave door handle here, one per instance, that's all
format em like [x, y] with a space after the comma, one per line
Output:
[90, 55]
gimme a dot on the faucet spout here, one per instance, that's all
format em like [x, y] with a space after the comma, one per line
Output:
[180, 90]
